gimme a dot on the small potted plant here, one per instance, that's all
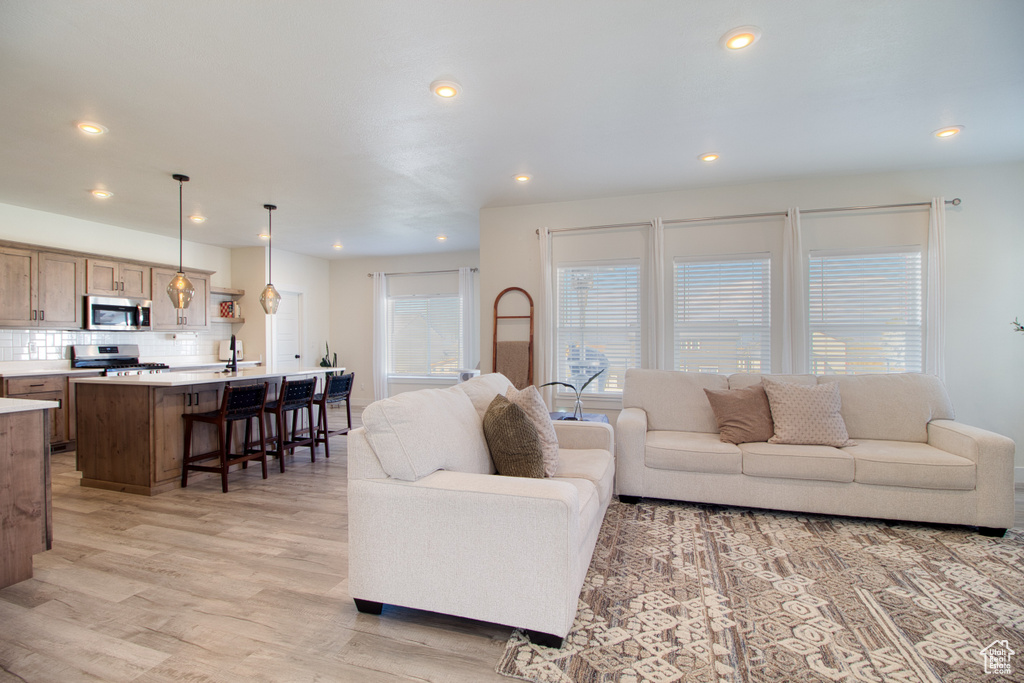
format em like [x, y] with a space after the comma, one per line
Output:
[577, 413]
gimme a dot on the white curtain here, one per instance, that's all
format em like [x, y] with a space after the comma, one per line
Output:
[795, 357]
[935, 294]
[544, 344]
[470, 329]
[656, 357]
[380, 336]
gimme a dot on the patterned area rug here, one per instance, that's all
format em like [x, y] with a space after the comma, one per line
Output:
[681, 592]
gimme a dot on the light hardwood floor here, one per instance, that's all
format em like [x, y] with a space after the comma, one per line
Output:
[195, 585]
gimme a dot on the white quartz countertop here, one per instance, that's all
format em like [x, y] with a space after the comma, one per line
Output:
[18, 405]
[34, 369]
[178, 379]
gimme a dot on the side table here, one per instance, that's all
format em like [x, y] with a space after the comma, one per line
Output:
[587, 417]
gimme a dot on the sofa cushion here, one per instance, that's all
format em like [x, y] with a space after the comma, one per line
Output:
[512, 439]
[673, 401]
[595, 465]
[895, 407]
[788, 461]
[482, 389]
[691, 452]
[418, 432]
[742, 380]
[806, 415]
[742, 414]
[917, 465]
[533, 405]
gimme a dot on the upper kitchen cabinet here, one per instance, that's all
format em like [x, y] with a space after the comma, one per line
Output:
[114, 278]
[41, 289]
[164, 316]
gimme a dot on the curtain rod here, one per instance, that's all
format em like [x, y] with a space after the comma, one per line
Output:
[425, 272]
[675, 221]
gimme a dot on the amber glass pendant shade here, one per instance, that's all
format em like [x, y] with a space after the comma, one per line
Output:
[181, 290]
[270, 299]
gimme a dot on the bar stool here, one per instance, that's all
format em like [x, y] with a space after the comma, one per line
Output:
[295, 397]
[239, 403]
[337, 389]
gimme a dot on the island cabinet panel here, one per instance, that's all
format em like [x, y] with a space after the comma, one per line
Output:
[169, 404]
[114, 437]
[25, 502]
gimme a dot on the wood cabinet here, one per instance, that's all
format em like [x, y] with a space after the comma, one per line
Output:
[25, 501]
[116, 278]
[169, 404]
[41, 289]
[45, 388]
[164, 316]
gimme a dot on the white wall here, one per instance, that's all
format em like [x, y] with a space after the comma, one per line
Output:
[309, 276]
[351, 306]
[63, 232]
[985, 242]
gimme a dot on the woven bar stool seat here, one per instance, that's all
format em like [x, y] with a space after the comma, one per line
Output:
[295, 397]
[338, 389]
[239, 403]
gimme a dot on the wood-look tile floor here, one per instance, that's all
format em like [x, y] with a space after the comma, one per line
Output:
[195, 585]
[201, 586]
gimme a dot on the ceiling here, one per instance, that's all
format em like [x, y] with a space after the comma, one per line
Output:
[323, 107]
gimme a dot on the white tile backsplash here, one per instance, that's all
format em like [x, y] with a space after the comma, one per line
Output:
[25, 345]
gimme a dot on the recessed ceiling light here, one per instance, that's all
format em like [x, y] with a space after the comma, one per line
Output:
[442, 238]
[522, 178]
[91, 128]
[741, 37]
[102, 194]
[339, 246]
[949, 132]
[710, 156]
[264, 236]
[445, 89]
[196, 218]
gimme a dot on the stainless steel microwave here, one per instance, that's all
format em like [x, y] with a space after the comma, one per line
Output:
[110, 313]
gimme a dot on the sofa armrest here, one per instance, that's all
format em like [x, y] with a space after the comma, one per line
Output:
[992, 455]
[585, 435]
[630, 445]
[499, 549]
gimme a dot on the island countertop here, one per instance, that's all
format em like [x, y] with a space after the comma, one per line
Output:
[20, 405]
[179, 379]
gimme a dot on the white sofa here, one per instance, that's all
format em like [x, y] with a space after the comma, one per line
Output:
[912, 461]
[432, 527]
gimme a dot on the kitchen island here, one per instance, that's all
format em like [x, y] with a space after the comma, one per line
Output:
[131, 431]
[25, 504]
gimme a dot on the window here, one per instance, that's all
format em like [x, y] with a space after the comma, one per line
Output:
[722, 319]
[424, 336]
[598, 324]
[865, 311]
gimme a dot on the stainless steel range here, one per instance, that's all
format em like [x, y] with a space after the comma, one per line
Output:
[122, 359]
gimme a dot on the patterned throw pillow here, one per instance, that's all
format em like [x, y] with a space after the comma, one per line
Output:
[743, 415]
[806, 414]
[512, 440]
[533, 405]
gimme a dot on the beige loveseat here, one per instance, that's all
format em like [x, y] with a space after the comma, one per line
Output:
[432, 527]
[911, 460]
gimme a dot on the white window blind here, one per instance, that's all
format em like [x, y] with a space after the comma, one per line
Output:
[865, 311]
[598, 324]
[424, 336]
[722, 319]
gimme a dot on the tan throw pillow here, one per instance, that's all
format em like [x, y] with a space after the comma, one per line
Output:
[512, 440]
[806, 414]
[743, 415]
[533, 405]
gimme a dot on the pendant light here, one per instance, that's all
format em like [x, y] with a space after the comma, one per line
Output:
[269, 298]
[180, 289]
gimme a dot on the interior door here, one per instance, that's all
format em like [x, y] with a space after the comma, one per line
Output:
[288, 333]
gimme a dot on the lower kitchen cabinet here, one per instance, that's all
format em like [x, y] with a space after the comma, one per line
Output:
[46, 388]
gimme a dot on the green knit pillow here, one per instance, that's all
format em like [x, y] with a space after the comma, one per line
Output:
[512, 439]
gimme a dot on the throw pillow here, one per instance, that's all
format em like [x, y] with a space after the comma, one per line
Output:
[512, 440]
[533, 405]
[743, 415]
[806, 414]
